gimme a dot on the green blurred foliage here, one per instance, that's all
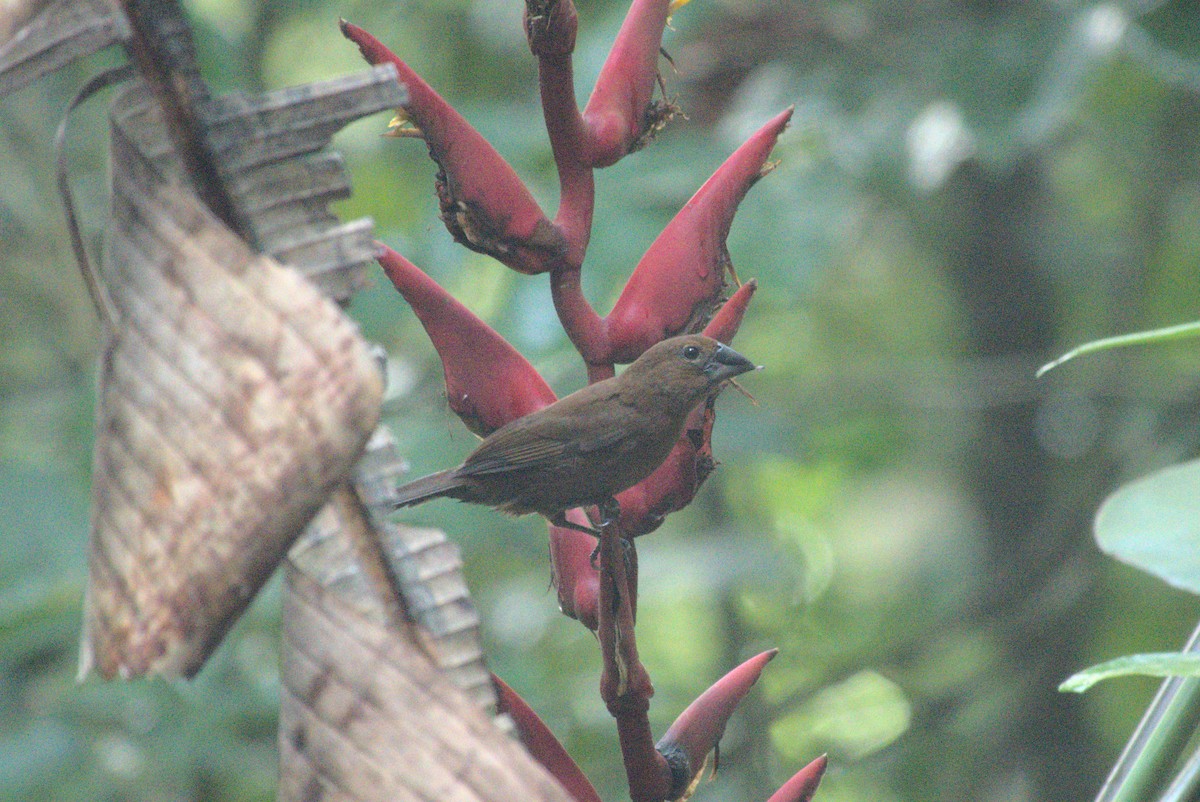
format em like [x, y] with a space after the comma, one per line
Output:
[1151, 523]
[967, 189]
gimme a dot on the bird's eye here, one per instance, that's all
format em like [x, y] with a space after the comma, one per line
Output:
[691, 352]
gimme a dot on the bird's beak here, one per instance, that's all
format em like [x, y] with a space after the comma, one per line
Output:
[725, 363]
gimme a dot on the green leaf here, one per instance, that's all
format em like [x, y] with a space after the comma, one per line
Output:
[1153, 524]
[1182, 331]
[1159, 664]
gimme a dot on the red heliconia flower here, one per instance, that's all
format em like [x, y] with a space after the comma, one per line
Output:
[679, 280]
[542, 744]
[488, 383]
[484, 204]
[678, 286]
[803, 784]
[696, 732]
[621, 116]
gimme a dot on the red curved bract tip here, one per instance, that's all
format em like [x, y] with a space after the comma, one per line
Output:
[803, 784]
[696, 732]
[620, 115]
[488, 383]
[484, 204]
[542, 744]
[725, 323]
[679, 280]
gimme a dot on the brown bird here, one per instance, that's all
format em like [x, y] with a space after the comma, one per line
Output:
[587, 447]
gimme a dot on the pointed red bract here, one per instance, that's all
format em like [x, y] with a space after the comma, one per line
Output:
[488, 383]
[577, 582]
[696, 732]
[542, 744]
[679, 280]
[673, 484]
[620, 115]
[803, 784]
[484, 204]
[728, 318]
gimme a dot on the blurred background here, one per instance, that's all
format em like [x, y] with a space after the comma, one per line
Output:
[967, 189]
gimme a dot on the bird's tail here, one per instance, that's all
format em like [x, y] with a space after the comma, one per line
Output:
[427, 487]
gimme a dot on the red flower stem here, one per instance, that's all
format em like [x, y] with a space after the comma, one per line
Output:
[624, 684]
[579, 319]
[576, 202]
[614, 677]
[631, 582]
[623, 678]
[646, 770]
[564, 124]
[577, 195]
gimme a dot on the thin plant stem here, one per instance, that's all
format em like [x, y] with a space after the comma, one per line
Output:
[1167, 723]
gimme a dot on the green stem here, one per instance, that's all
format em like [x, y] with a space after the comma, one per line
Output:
[1166, 725]
[1186, 782]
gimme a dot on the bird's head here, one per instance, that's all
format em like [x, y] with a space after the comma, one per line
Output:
[689, 366]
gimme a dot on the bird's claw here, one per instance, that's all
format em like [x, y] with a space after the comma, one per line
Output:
[610, 511]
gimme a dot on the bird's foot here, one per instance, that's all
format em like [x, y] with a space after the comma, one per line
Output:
[610, 511]
[563, 522]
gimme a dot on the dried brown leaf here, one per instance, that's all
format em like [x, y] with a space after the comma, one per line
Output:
[367, 715]
[233, 398]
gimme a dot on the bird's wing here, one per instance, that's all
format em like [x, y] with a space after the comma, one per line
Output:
[513, 456]
[538, 440]
[532, 453]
